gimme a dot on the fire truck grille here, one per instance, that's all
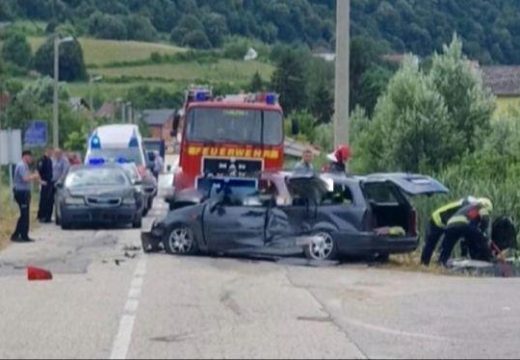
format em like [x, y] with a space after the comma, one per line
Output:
[228, 167]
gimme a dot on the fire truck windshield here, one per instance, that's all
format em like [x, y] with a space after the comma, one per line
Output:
[235, 126]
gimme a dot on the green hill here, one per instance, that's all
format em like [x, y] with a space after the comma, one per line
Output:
[489, 29]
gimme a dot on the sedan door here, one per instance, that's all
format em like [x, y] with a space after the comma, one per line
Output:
[234, 228]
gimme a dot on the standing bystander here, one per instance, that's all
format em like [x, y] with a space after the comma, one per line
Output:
[22, 195]
[47, 190]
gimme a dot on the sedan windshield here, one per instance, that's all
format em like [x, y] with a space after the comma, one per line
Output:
[97, 177]
[235, 126]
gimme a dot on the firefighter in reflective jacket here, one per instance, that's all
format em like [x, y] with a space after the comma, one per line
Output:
[437, 226]
[471, 223]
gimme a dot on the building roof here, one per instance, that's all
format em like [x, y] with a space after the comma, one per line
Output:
[158, 117]
[502, 80]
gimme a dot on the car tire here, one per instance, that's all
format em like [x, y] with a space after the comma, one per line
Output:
[323, 249]
[382, 258]
[180, 240]
[138, 223]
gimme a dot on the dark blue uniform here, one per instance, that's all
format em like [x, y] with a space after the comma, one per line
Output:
[22, 195]
[47, 190]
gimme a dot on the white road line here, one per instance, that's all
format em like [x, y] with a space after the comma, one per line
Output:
[126, 326]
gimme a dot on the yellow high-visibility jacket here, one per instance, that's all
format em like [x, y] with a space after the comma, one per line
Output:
[441, 216]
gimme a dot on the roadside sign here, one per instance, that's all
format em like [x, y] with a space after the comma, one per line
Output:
[10, 146]
[36, 134]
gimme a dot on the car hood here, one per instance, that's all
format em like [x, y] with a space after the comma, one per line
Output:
[185, 214]
[101, 191]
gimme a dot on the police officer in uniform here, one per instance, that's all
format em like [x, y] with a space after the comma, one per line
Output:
[47, 190]
[22, 195]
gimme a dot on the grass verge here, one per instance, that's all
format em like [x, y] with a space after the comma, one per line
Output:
[9, 216]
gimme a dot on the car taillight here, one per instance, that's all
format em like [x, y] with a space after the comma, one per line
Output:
[413, 223]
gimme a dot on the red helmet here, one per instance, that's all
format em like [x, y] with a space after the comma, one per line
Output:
[341, 155]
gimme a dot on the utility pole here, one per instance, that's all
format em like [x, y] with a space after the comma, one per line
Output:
[341, 98]
[123, 112]
[130, 112]
[55, 123]
[55, 127]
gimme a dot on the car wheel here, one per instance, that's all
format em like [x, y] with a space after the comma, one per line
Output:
[323, 247]
[180, 241]
[382, 258]
[138, 223]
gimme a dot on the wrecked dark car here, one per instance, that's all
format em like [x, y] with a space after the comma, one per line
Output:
[323, 216]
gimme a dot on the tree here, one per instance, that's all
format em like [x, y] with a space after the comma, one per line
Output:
[410, 130]
[257, 83]
[16, 49]
[188, 24]
[106, 26]
[216, 28]
[72, 64]
[288, 80]
[139, 28]
[196, 39]
[321, 102]
[469, 105]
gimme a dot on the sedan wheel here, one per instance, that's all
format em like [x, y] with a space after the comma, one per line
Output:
[181, 241]
[323, 247]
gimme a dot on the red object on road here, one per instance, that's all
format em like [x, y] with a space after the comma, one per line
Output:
[36, 274]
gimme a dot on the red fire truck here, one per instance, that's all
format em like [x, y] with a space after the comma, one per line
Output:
[234, 136]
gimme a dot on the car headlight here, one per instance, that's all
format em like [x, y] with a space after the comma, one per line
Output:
[129, 201]
[74, 201]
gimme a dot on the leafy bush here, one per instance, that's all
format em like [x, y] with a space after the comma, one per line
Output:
[72, 64]
[16, 49]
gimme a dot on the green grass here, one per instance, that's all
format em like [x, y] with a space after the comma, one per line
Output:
[99, 52]
[7, 216]
[223, 70]
[119, 90]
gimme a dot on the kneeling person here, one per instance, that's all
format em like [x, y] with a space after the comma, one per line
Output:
[470, 223]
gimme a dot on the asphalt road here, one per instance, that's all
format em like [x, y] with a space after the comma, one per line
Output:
[107, 299]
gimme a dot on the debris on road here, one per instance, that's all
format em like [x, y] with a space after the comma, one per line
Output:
[37, 274]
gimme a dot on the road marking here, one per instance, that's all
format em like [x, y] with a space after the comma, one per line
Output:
[126, 326]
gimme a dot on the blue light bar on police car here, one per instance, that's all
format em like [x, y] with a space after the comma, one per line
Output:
[96, 161]
[133, 141]
[95, 142]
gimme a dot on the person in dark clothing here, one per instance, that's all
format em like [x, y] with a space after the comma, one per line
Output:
[437, 226]
[22, 195]
[471, 223]
[47, 190]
